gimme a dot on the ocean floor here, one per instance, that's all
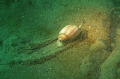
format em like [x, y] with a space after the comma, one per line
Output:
[28, 39]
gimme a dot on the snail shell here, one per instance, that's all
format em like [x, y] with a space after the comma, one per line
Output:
[68, 32]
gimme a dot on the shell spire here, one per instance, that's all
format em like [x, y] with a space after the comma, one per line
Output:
[80, 25]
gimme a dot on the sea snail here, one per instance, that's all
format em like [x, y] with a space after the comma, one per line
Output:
[69, 32]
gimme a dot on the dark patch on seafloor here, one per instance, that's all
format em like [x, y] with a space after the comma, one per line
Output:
[1, 42]
[115, 20]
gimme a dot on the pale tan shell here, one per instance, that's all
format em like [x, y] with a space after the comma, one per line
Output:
[68, 32]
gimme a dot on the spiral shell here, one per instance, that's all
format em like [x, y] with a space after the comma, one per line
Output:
[68, 32]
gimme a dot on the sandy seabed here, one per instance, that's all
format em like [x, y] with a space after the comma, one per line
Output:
[28, 32]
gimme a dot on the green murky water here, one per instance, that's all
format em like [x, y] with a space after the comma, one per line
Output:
[28, 39]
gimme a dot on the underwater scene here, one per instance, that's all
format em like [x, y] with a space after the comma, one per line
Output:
[59, 39]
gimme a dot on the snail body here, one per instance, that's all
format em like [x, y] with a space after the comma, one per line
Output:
[69, 32]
